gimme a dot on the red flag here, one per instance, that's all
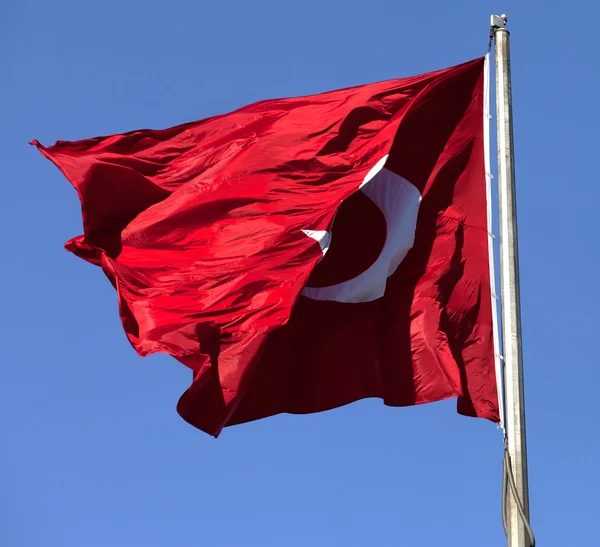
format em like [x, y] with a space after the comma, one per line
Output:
[301, 254]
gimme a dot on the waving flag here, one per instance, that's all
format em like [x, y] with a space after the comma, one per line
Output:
[301, 254]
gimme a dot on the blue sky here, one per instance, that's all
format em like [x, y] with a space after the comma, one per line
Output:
[94, 453]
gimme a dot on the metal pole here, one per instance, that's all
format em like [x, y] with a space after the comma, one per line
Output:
[510, 297]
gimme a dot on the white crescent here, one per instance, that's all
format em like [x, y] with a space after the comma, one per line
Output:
[399, 202]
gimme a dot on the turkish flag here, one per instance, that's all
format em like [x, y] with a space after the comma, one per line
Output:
[301, 254]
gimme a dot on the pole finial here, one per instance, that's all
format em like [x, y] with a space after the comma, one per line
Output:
[498, 21]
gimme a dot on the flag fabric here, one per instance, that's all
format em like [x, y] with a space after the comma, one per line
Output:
[301, 254]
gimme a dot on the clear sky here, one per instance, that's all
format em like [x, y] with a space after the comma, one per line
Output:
[94, 453]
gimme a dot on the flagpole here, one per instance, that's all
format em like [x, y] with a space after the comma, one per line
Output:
[516, 510]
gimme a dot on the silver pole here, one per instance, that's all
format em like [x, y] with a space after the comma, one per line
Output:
[510, 297]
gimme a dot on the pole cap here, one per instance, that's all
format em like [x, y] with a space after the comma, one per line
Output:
[498, 21]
